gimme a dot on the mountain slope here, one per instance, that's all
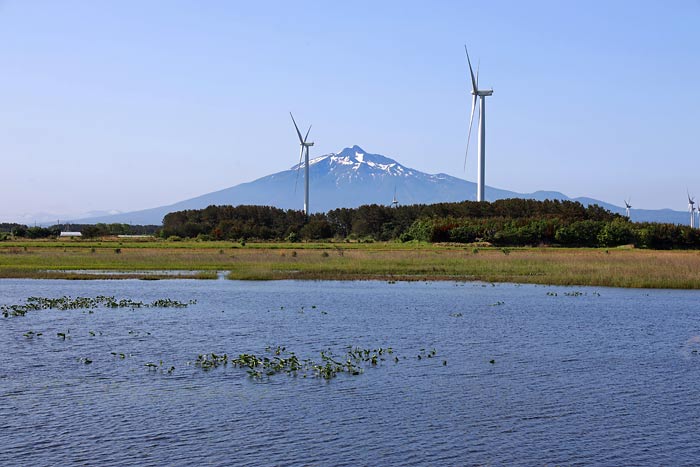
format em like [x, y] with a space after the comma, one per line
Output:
[352, 178]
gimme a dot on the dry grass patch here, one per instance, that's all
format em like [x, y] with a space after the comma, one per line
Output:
[615, 267]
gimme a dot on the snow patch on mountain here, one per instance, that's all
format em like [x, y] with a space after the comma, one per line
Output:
[354, 163]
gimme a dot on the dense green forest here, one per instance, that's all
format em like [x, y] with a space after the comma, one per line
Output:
[508, 222]
[7, 226]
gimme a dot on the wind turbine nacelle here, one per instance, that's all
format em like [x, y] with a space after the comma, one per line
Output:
[308, 144]
[483, 93]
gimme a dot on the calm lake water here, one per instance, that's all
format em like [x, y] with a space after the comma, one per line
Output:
[581, 376]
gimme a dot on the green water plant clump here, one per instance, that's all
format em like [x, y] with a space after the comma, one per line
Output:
[70, 303]
[169, 303]
[277, 360]
[209, 361]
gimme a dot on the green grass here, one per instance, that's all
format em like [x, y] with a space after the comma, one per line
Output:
[354, 261]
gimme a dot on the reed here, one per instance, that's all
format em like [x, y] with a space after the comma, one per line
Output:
[624, 267]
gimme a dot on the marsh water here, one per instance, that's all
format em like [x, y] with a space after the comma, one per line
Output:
[520, 375]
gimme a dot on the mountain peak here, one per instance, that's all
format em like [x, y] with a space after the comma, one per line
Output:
[353, 161]
[354, 152]
[358, 155]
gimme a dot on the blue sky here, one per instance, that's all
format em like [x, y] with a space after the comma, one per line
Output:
[129, 104]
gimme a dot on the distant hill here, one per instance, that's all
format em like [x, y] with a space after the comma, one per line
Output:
[352, 178]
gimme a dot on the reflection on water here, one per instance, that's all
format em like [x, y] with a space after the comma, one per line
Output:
[579, 376]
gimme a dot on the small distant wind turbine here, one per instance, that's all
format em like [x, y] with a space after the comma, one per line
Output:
[394, 202]
[628, 206]
[691, 209]
[481, 142]
[304, 145]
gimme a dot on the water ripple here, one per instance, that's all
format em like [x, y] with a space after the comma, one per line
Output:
[584, 380]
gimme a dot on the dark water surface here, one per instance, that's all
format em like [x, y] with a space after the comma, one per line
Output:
[605, 377]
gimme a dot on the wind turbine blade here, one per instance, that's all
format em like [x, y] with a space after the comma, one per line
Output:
[296, 127]
[307, 133]
[469, 135]
[296, 180]
[471, 72]
[478, 65]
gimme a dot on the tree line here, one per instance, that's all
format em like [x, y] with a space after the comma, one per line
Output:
[373, 221]
[87, 230]
[507, 222]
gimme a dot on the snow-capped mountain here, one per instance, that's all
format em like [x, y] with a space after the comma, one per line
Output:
[354, 164]
[354, 177]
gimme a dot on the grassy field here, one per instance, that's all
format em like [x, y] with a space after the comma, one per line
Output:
[352, 261]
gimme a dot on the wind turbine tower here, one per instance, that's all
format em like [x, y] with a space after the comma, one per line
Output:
[691, 209]
[394, 202]
[481, 94]
[305, 145]
[628, 206]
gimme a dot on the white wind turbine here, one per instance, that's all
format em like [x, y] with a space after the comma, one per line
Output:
[691, 209]
[481, 142]
[394, 202]
[304, 145]
[628, 206]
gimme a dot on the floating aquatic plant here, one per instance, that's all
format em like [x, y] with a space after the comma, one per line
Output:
[120, 355]
[208, 361]
[424, 354]
[69, 303]
[152, 367]
[279, 360]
